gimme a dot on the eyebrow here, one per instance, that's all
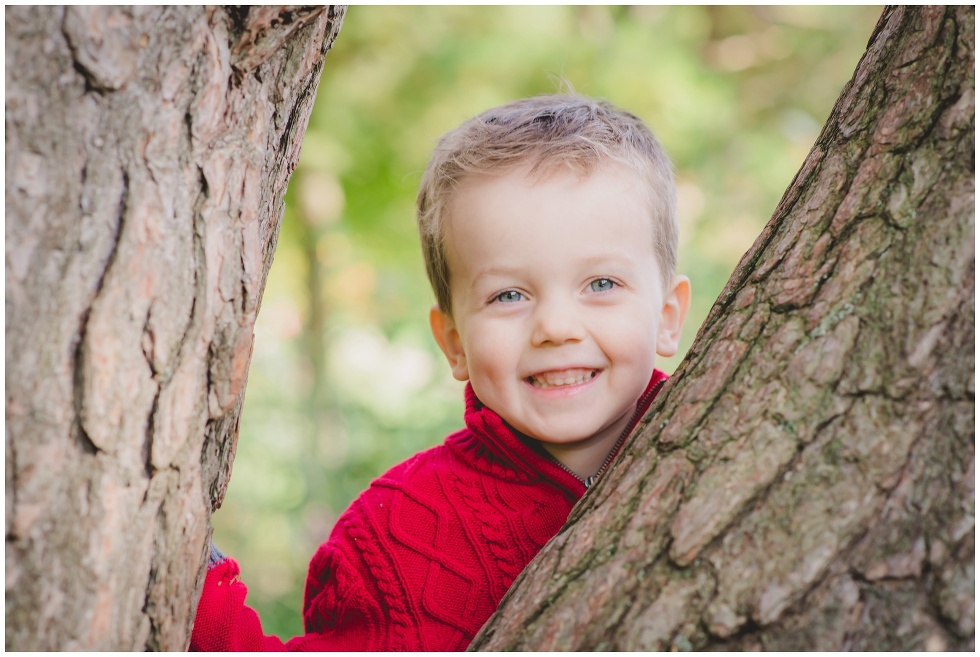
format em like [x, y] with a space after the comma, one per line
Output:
[602, 258]
[615, 257]
[491, 271]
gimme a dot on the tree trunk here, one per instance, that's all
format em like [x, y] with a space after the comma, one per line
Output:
[148, 150]
[806, 479]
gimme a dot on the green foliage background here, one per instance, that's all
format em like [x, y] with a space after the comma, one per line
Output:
[345, 379]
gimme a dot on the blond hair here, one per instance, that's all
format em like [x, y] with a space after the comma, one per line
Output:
[544, 133]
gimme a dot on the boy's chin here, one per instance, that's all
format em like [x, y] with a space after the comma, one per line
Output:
[550, 438]
[583, 432]
[570, 436]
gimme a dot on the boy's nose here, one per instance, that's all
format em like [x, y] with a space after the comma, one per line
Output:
[555, 323]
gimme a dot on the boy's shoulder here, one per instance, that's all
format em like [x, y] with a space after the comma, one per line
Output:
[466, 458]
[461, 473]
[459, 458]
[462, 483]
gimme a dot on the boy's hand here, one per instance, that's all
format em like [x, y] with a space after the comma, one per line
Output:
[221, 607]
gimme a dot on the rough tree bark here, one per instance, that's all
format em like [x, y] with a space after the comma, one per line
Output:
[806, 480]
[147, 153]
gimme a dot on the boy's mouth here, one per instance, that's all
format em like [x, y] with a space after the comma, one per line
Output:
[561, 378]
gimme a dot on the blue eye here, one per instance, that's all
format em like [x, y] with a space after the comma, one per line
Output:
[602, 285]
[509, 296]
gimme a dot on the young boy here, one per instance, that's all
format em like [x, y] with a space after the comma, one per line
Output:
[549, 232]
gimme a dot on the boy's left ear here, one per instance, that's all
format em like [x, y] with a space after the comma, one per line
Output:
[676, 303]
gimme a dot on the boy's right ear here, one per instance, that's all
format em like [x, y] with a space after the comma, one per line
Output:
[448, 339]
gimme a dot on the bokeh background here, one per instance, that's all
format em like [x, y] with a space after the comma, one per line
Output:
[345, 379]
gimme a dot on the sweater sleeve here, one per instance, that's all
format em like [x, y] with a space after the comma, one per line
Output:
[224, 623]
[346, 617]
[350, 603]
[391, 577]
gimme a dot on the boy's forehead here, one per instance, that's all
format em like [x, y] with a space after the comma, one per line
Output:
[535, 173]
[488, 200]
[556, 180]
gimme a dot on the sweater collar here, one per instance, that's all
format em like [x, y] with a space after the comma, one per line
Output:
[523, 459]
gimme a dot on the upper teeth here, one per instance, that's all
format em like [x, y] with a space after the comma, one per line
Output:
[563, 378]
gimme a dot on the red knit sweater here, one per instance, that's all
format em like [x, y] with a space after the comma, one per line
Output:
[420, 560]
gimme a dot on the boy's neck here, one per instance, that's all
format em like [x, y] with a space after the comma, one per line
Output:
[586, 457]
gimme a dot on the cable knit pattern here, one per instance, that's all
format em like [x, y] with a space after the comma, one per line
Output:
[421, 559]
[381, 569]
[492, 534]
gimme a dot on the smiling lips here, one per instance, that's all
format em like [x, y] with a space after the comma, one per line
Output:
[561, 378]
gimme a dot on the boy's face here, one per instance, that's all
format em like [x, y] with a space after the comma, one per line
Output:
[558, 307]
